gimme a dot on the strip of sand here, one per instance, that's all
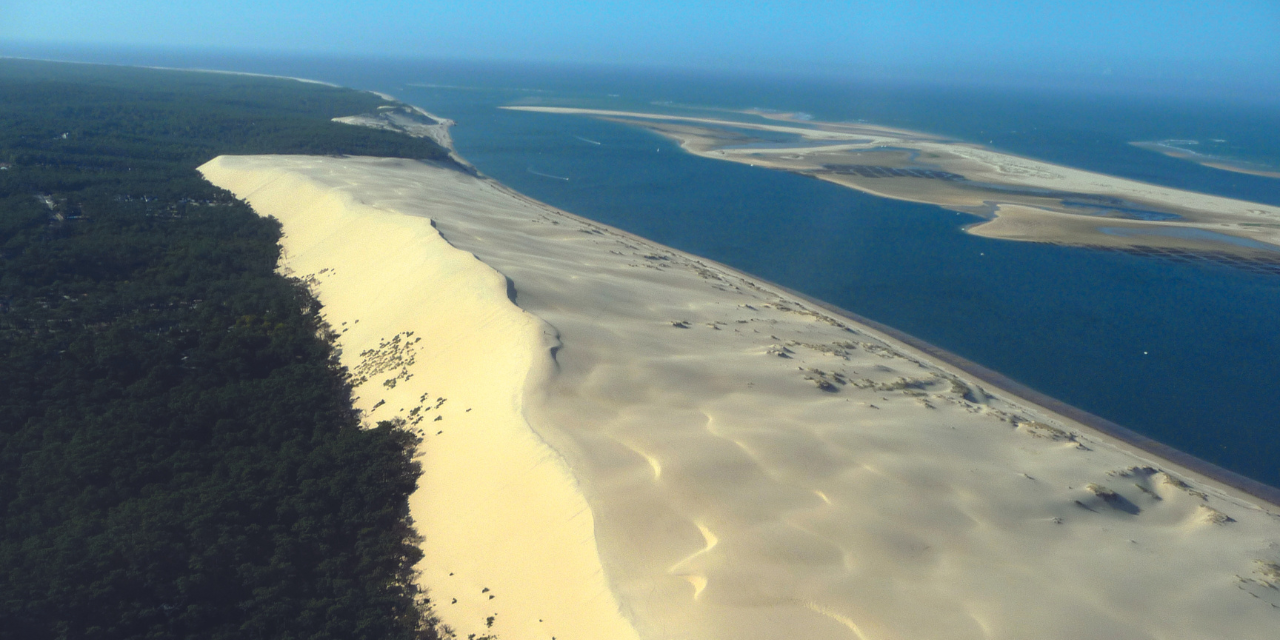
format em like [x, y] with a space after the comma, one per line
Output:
[409, 120]
[635, 442]
[1078, 205]
[1213, 162]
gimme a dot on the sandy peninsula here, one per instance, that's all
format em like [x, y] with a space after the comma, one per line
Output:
[624, 441]
[409, 120]
[1043, 202]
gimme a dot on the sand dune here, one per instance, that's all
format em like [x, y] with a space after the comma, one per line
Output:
[640, 443]
[441, 346]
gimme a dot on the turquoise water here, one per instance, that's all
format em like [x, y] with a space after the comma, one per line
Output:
[1186, 353]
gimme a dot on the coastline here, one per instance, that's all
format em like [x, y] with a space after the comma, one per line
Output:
[222, 71]
[1245, 486]
[717, 507]
[1240, 485]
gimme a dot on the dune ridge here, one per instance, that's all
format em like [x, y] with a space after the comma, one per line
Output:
[660, 447]
[431, 338]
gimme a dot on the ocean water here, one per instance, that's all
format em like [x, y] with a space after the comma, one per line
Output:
[1188, 354]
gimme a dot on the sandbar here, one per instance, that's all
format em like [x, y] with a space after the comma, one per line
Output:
[1072, 206]
[1213, 162]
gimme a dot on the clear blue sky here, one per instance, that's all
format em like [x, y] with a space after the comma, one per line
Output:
[1223, 40]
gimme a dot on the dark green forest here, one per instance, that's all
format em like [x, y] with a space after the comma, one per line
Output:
[179, 457]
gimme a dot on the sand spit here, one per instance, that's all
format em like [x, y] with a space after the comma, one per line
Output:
[1053, 203]
[1213, 162]
[409, 120]
[651, 445]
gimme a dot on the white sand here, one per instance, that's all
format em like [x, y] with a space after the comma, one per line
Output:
[658, 480]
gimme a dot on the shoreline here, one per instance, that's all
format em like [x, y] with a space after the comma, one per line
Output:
[1243, 484]
[1253, 489]
[193, 70]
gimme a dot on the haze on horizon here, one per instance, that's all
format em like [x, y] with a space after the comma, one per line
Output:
[1169, 47]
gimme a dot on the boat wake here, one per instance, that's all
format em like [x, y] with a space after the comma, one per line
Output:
[546, 175]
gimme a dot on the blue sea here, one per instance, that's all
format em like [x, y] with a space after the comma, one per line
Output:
[1185, 353]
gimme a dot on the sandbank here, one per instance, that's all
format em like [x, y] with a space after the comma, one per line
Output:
[625, 441]
[1079, 207]
[1212, 162]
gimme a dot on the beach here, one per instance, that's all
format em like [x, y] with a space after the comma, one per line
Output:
[621, 440]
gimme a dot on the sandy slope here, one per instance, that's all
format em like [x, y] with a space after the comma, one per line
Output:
[414, 310]
[659, 447]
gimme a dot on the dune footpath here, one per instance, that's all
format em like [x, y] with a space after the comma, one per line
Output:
[625, 441]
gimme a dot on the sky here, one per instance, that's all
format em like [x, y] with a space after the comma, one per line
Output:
[1203, 43]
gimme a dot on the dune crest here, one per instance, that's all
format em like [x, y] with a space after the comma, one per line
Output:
[431, 337]
[648, 444]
